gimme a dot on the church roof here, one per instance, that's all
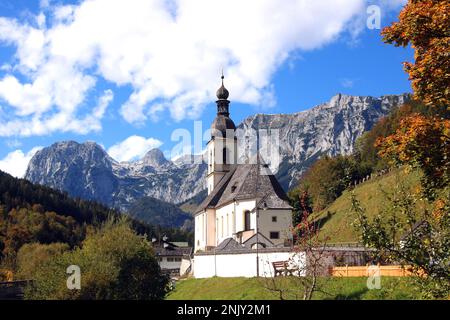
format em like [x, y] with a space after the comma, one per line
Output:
[229, 244]
[260, 239]
[221, 124]
[240, 184]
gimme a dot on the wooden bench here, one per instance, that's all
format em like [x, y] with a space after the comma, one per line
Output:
[282, 268]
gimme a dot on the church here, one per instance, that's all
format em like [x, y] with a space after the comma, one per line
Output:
[246, 207]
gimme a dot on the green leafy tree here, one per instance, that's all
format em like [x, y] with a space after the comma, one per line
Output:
[413, 233]
[140, 278]
[113, 260]
[301, 203]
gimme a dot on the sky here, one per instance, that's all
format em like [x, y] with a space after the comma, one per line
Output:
[130, 74]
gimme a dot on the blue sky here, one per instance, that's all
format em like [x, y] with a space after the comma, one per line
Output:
[127, 74]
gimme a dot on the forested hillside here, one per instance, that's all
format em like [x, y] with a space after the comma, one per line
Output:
[161, 213]
[34, 214]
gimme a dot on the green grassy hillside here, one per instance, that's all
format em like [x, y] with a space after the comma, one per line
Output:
[256, 289]
[336, 220]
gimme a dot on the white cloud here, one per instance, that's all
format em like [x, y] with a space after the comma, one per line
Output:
[61, 121]
[169, 52]
[133, 148]
[16, 162]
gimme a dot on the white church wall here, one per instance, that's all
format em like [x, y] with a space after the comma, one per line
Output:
[241, 207]
[205, 230]
[225, 223]
[242, 265]
[200, 224]
[170, 262]
[186, 263]
[283, 224]
[230, 219]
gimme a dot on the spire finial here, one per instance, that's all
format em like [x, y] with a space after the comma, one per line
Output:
[222, 93]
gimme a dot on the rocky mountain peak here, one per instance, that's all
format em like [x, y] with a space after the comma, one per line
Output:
[82, 169]
[155, 158]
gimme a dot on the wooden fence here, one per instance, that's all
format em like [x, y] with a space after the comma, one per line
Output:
[13, 290]
[367, 271]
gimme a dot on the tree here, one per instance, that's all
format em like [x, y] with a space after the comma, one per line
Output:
[425, 25]
[31, 256]
[424, 143]
[115, 263]
[309, 263]
[415, 228]
[328, 178]
[413, 233]
[24, 226]
[366, 150]
[300, 202]
[140, 278]
[421, 142]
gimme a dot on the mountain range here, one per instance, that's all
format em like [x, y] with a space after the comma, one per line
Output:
[85, 170]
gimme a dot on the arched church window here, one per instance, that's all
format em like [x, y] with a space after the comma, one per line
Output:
[247, 220]
[225, 155]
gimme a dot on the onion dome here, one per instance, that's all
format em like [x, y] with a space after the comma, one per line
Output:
[222, 93]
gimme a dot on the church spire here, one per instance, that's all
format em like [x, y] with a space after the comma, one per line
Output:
[222, 122]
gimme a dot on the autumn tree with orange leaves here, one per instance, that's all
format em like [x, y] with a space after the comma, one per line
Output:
[425, 25]
[423, 143]
[415, 227]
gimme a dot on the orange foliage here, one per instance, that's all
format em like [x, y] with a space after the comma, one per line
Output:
[422, 142]
[425, 25]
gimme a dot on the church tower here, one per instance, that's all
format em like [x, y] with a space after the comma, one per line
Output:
[222, 148]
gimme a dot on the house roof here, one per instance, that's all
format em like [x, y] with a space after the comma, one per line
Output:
[229, 244]
[172, 251]
[243, 183]
[213, 198]
[259, 238]
[166, 248]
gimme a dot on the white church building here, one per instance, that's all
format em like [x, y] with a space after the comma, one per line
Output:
[246, 208]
